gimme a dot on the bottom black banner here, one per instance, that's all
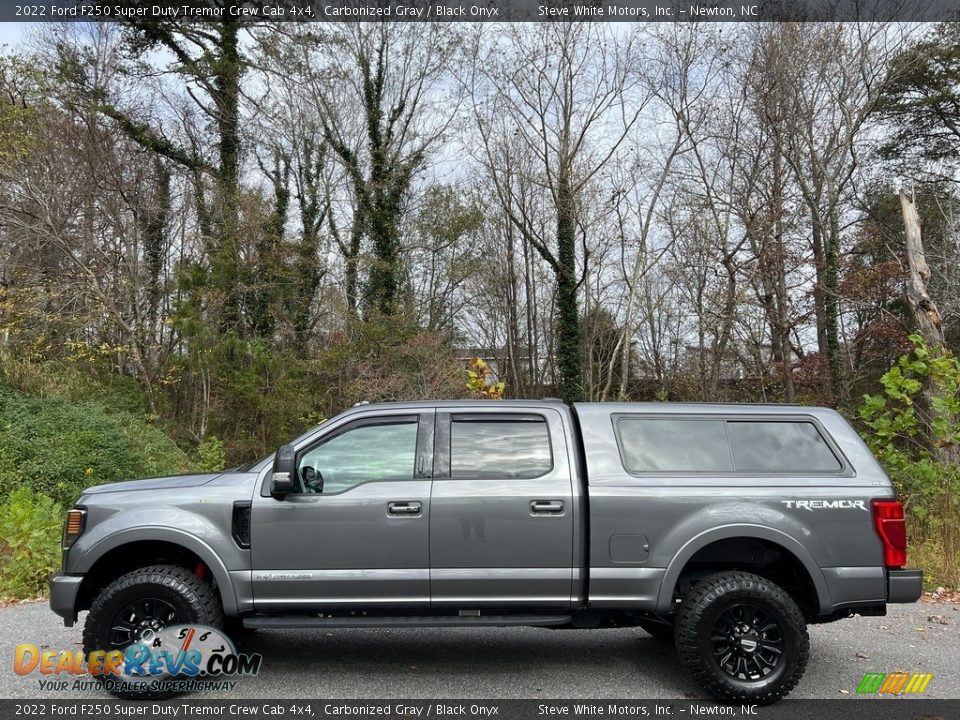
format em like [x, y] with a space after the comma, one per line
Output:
[185, 709]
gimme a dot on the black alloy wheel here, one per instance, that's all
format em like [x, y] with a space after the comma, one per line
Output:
[748, 642]
[140, 620]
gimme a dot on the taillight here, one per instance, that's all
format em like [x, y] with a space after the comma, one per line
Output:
[892, 529]
[73, 526]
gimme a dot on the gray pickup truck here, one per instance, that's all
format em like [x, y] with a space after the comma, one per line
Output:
[725, 529]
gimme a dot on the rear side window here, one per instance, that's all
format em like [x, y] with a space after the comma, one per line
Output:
[723, 446]
[668, 445]
[490, 447]
[780, 447]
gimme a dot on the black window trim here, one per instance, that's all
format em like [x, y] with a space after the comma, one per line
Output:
[443, 447]
[845, 470]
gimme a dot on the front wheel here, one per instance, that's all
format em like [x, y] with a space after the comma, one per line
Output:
[742, 637]
[141, 603]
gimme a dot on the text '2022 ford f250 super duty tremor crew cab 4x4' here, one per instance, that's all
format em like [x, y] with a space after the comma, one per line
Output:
[724, 528]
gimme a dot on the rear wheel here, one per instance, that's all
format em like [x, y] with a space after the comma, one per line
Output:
[742, 637]
[141, 603]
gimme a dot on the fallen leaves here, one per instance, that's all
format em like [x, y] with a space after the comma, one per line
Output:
[11, 601]
[941, 595]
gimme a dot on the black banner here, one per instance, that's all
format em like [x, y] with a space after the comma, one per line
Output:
[193, 709]
[481, 10]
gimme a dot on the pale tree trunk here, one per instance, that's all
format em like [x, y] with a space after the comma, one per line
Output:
[924, 309]
[925, 313]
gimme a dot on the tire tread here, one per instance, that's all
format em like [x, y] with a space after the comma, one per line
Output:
[201, 598]
[696, 603]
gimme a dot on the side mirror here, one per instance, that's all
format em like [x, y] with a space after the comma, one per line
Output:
[284, 472]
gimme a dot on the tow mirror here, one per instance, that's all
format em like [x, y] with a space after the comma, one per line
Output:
[284, 472]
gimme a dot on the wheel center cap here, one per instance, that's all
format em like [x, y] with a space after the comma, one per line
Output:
[148, 627]
[749, 644]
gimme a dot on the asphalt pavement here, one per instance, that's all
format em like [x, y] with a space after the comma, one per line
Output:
[507, 663]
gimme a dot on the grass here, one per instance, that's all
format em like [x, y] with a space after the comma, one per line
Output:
[927, 553]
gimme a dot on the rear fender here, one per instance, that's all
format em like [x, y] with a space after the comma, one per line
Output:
[729, 531]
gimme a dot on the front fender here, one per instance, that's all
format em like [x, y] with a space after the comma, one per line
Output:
[186, 529]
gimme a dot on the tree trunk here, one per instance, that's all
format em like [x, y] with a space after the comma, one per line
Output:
[781, 340]
[569, 346]
[818, 295]
[831, 291]
[925, 311]
[926, 314]
[154, 241]
[226, 251]
[534, 373]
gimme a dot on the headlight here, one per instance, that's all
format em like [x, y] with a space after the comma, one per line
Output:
[73, 526]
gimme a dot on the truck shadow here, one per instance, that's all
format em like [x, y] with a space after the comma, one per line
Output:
[487, 662]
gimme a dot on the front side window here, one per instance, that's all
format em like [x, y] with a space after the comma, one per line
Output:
[368, 451]
[499, 447]
[668, 445]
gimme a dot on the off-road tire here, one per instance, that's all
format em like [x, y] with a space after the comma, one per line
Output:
[193, 598]
[661, 632]
[694, 626]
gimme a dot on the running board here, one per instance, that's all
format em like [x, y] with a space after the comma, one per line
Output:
[278, 622]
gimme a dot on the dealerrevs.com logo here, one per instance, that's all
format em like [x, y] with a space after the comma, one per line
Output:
[180, 658]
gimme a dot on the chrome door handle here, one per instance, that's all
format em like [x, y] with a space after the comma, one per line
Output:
[546, 507]
[403, 508]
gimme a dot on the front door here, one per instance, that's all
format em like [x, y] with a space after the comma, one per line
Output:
[356, 531]
[501, 510]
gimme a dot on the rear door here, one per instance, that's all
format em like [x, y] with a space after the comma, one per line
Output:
[501, 509]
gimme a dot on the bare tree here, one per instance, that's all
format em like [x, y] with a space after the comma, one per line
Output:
[382, 97]
[553, 105]
[829, 80]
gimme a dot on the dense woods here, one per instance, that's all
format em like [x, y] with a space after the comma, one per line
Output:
[229, 232]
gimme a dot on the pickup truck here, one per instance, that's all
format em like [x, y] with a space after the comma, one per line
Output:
[724, 529]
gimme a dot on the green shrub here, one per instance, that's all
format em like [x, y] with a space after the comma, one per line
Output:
[56, 448]
[212, 457]
[914, 429]
[71, 382]
[30, 526]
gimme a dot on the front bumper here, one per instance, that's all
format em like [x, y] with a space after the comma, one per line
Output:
[63, 597]
[904, 586]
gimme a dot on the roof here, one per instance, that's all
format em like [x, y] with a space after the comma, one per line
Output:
[612, 406]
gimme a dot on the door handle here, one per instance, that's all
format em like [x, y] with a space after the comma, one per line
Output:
[546, 507]
[403, 508]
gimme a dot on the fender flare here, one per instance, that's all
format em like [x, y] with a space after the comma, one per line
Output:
[174, 536]
[744, 530]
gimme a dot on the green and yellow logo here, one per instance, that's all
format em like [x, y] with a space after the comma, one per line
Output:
[898, 683]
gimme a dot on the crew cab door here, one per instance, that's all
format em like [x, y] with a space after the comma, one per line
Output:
[356, 531]
[501, 509]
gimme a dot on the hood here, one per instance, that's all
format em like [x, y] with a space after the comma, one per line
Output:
[161, 483]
